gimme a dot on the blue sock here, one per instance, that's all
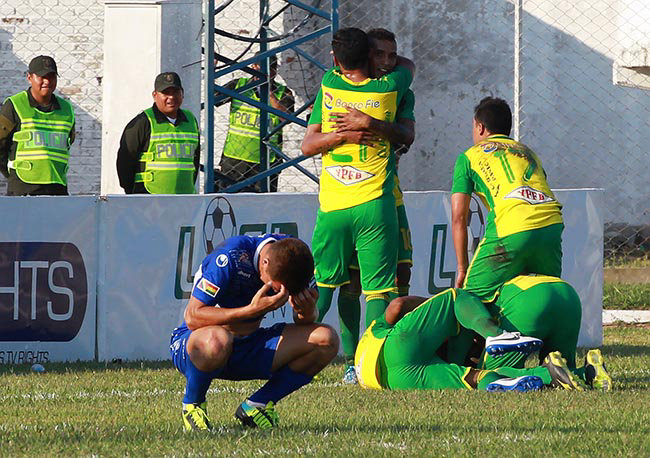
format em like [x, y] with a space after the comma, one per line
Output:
[281, 384]
[197, 384]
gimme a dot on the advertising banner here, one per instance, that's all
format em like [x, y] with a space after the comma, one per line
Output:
[48, 265]
[152, 245]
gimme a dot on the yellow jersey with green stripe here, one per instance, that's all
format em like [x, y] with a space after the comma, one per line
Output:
[354, 174]
[508, 177]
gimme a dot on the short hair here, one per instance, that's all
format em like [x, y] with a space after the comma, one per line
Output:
[494, 114]
[291, 263]
[380, 34]
[351, 47]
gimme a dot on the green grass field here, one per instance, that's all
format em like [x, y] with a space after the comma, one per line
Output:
[619, 296]
[95, 409]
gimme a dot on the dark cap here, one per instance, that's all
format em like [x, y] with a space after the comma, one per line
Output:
[42, 65]
[167, 80]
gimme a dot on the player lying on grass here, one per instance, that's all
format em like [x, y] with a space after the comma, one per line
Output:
[242, 280]
[544, 307]
[400, 351]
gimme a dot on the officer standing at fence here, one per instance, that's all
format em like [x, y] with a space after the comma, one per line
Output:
[36, 131]
[241, 151]
[159, 150]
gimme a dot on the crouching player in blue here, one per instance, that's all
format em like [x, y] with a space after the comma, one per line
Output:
[242, 280]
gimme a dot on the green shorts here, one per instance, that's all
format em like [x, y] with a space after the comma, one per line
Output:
[404, 248]
[549, 311]
[371, 230]
[500, 259]
[408, 360]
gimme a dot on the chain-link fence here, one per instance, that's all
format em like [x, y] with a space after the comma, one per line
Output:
[71, 32]
[551, 59]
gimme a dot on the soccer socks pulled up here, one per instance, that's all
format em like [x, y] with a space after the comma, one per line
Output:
[324, 301]
[540, 372]
[349, 318]
[375, 306]
[282, 383]
[198, 383]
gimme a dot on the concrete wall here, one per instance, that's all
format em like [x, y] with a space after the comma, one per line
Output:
[587, 131]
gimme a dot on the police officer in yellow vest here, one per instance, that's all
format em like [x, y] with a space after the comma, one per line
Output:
[159, 150]
[36, 131]
[241, 150]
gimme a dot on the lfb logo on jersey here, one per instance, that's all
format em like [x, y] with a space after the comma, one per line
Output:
[530, 195]
[327, 100]
[222, 260]
[347, 175]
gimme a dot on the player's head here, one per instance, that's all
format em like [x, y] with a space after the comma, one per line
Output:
[350, 47]
[491, 116]
[383, 52]
[288, 262]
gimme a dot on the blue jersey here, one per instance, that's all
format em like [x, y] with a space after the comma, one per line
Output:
[229, 277]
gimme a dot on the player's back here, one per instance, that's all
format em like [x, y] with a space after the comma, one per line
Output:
[509, 178]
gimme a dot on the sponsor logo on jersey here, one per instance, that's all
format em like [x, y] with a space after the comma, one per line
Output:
[489, 147]
[222, 260]
[367, 104]
[347, 174]
[327, 100]
[530, 195]
[208, 287]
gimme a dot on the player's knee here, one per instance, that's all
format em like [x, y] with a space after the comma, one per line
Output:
[215, 345]
[326, 341]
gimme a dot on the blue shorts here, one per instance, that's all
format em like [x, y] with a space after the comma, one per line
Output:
[251, 358]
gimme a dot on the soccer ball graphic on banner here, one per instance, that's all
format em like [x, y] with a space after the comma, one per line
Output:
[475, 226]
[218, 223]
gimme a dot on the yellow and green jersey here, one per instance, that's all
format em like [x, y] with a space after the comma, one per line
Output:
[366, 357]
[521, 283]
[509, 178]
[354, 174]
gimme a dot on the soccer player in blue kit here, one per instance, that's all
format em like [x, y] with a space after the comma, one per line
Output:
[242, 280]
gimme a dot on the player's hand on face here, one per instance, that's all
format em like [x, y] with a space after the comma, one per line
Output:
[304, 301]
[352, 120]
[262, 303]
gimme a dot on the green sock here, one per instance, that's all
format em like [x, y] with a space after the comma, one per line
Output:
[349, 318]
[324, 301]
[487, 378]
[540, 372]
[472, 314]
[375, 307]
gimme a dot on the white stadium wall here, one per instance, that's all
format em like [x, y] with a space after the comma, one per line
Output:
[111, 277]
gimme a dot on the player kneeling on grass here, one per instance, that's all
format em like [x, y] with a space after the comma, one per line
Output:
[399, 352]
[242, 280]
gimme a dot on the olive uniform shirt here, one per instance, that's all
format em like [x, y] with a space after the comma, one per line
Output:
[10, 124]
